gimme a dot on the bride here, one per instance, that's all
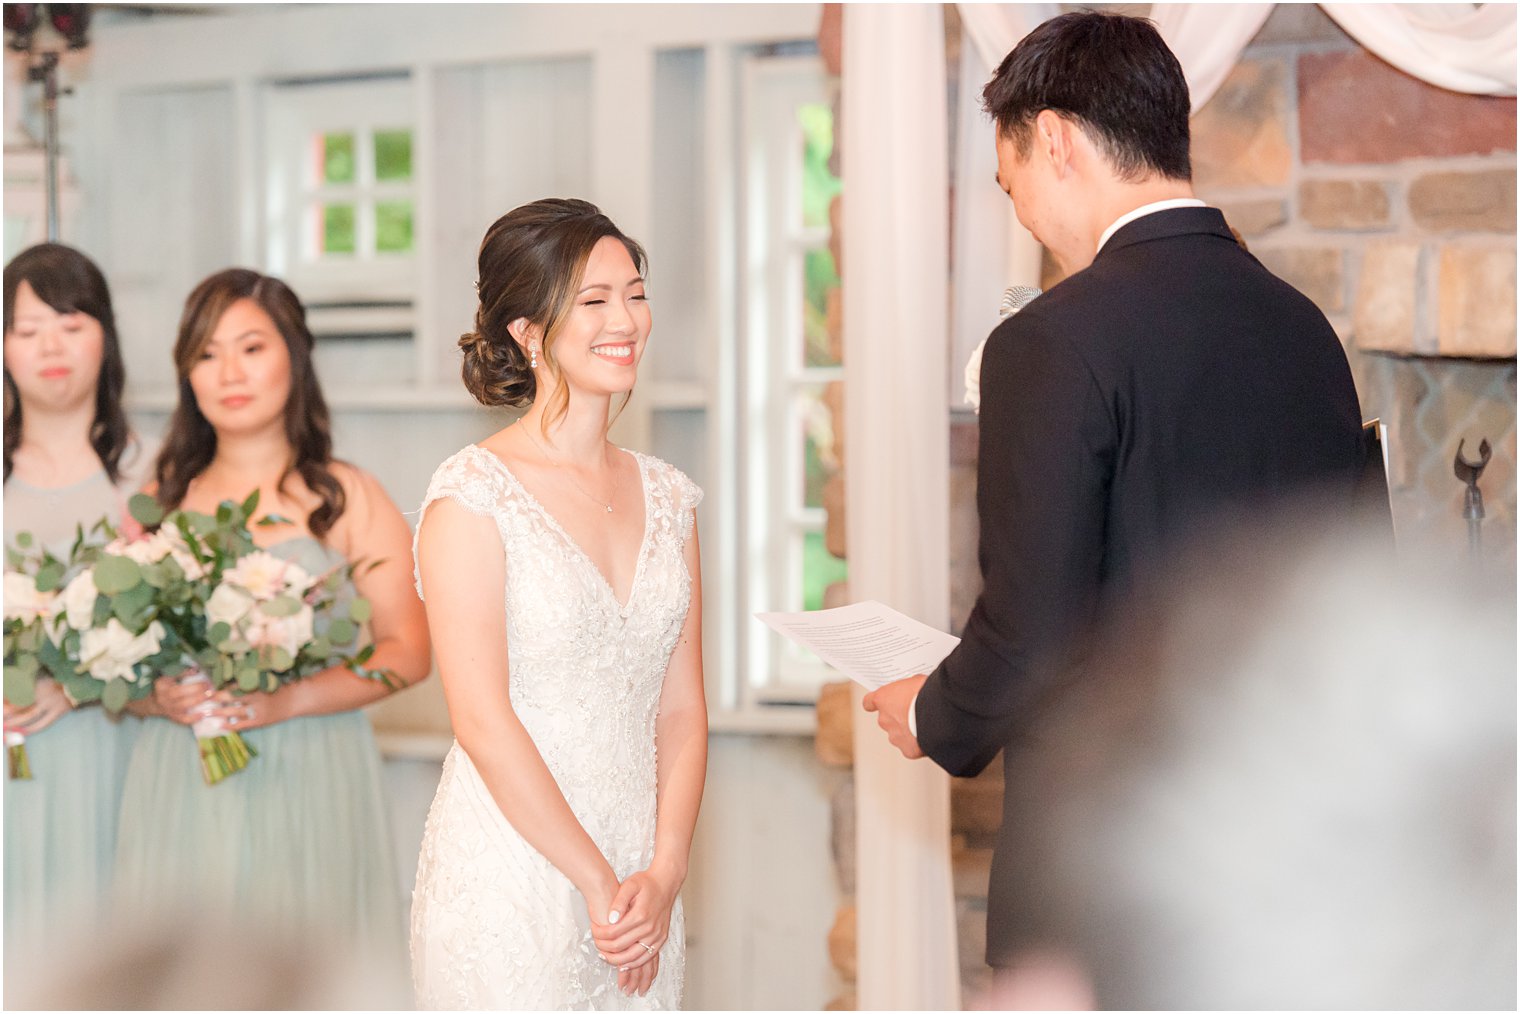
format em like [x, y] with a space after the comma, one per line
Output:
[563, 593]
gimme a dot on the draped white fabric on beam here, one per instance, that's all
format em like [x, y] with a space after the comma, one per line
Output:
[1208, 39]
[1460, 47]
[893, 147]
[1455, 46]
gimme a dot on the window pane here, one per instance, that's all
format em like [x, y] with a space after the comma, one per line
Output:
[819, 457]
[393, 226]
[819, 279]
[818, 184]
[393, 155]
[337, 158]
[337, 229]
[819, 570]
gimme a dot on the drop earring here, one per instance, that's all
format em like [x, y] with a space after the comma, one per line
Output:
[533, 356]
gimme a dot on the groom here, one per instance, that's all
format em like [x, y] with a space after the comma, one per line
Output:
[1169, 385]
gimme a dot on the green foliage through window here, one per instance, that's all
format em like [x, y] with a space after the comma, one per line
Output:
[338, 158]
[819, 570]
[819, 186]
[393, 155]
[393, 226]
[338, 229]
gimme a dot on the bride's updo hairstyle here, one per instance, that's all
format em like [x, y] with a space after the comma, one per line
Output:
[531, 263]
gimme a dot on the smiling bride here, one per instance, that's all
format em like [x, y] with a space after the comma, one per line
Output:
[563, 592]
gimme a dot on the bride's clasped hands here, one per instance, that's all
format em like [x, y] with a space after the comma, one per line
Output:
[638, 924]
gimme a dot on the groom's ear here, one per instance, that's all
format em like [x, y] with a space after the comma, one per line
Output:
[1054, 139]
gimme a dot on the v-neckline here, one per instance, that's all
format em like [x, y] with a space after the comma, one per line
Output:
[638, 562]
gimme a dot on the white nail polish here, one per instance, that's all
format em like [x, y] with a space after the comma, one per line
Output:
[614, 917]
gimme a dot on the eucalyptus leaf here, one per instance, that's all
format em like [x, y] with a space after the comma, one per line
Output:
[49, 576]
[319, 648]
[28, 664]
[283, 605]
[115, 574]
[341, 631]
[115, 695]
[359, 610]
[235, 646]
[251, 504]
[13, 558]
[24, 540]
[270, 520]
[218, 632]
[280, 660]
[20, 686]
[159, 575]
[248, 679]
[148, 512]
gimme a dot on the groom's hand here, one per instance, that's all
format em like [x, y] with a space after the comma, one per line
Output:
[891, 704]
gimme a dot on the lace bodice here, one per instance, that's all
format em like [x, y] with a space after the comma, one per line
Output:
[585, 675]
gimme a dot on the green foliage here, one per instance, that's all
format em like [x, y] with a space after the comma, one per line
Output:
[21, 684]
[147, 511]
[115, 695]
[341, 631]
[283, 605]
[115, 574]
[359, 610]
[50, 575]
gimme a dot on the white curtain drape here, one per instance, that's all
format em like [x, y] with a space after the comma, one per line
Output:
[992, 250]
[1460, 47]
[894, 252]
[1208, 39]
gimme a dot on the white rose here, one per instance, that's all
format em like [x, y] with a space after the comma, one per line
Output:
[22, 599]
[261, 573]
[79, 600]
[149, 549]
[228, 604]
[974, 377]
[288, 632]
[113, 651]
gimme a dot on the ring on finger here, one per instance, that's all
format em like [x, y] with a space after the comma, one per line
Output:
[646, 947]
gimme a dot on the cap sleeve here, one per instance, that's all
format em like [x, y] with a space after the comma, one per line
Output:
[466, 479]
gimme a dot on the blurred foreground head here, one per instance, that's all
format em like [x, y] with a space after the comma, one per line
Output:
[200, 961]
[1279, 786]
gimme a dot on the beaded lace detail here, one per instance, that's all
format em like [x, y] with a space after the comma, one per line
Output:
[494, 923]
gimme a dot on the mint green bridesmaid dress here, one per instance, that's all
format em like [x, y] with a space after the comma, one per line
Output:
[60, 826]
[297, 842]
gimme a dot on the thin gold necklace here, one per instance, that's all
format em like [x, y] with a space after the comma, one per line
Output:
[554, 464]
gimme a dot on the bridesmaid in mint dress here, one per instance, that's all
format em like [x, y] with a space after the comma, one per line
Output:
[70, 459]
[296, 843]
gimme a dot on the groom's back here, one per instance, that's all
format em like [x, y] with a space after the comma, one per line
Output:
[1228, 392]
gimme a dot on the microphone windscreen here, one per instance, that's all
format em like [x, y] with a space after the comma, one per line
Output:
[1015, 298]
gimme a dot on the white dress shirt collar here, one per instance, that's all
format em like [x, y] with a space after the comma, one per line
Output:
[1148, 209]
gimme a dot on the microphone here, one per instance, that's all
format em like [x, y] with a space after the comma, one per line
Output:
[1015, 298]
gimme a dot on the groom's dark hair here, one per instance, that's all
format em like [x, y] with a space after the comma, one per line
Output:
[1111, 74]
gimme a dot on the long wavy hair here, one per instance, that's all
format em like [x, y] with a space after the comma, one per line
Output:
[190, 443]
[69, 282]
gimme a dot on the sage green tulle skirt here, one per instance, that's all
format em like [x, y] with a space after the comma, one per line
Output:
[298, 840]
[60, 828]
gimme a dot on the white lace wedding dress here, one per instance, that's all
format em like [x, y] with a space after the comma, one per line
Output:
[494, 924]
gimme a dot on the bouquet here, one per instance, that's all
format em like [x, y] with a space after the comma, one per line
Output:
[91, 622]
[249, 619]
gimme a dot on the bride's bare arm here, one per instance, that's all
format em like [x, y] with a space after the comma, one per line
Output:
[370, 529]
[464, 580]
[646, 898]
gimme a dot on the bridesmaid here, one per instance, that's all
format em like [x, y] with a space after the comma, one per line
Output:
[70, 459]
[297, 840]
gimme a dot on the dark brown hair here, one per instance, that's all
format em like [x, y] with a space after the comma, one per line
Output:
[1114, 76]
[531, 261]
[69, 282]
[190, 443]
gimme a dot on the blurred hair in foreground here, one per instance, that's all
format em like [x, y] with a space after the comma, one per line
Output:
[1289, 783]
[201, 961]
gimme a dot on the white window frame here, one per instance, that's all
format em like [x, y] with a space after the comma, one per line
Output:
[773, 371]
[296, 113]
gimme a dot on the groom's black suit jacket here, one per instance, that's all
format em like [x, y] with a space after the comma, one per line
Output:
[1174, 384]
